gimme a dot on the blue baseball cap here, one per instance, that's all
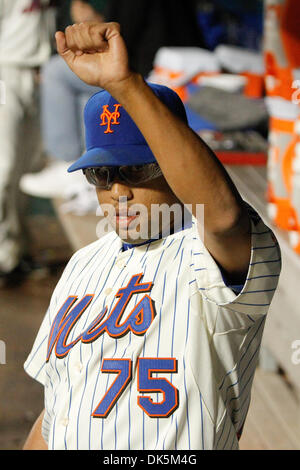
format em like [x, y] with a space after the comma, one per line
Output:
[112, 137]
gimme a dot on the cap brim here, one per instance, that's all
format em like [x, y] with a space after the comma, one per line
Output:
[114, 156]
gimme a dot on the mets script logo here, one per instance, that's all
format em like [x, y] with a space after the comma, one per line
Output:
[108, 119]
[115, 323]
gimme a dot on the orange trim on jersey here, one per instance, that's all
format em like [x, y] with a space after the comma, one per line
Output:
[119, 294]
[154, 390]
[75, 298]
[90, 330]
[117, 396]
[148, 287]
[70, 328]
[128, 316]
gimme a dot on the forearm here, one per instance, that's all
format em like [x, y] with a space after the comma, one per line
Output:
[35, 440]
[192, 170]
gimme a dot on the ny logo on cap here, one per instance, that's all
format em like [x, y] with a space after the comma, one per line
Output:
[108, 119]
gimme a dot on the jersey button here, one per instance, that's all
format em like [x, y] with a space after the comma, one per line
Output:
[121, 263]
[108, 291]
[79, 367]
[65, 422]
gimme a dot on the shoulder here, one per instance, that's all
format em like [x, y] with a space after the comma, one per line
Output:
[88, 252]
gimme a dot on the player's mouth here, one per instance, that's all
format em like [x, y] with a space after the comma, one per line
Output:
[124, 219]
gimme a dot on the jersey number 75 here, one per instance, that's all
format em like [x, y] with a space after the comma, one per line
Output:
[146, 383]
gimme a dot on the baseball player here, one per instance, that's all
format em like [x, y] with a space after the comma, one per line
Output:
[151, 342]
[26, 27]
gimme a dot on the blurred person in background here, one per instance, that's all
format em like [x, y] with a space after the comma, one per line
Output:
[147, 26]
[26, 29]
[63, 96]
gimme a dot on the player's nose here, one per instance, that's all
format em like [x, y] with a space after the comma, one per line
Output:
[121, 190]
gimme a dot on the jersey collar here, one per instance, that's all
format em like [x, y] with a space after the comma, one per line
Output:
[128, 246]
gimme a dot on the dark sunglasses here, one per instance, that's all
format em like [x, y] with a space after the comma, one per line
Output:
[104, 176]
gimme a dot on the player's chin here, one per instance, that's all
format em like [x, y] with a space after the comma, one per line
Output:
[134, 232]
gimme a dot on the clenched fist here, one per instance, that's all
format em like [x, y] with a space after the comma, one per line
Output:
[96, 53]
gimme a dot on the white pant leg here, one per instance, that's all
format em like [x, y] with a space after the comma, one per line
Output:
[18, 138]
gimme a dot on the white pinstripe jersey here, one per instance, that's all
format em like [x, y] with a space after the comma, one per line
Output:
[148, 348]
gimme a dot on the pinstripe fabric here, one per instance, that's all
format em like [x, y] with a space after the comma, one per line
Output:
[213, 334]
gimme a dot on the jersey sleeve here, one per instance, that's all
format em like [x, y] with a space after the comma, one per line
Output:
[254, 297]
[36, 361]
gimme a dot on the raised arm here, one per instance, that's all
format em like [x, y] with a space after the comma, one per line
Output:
[98, 55]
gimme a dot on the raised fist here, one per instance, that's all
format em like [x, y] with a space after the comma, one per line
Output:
[95, 52]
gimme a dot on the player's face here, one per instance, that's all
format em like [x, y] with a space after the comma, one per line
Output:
[135, 224]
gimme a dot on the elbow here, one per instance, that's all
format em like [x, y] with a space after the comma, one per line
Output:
[234, 221]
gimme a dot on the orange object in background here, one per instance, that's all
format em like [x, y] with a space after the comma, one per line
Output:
[182, 92]
[290, 156]
[178, 67]
[279, 80]
[255, 85]
[170, 78]
[280, 208]
[281, 46]
[292, 176]
[282, 58]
